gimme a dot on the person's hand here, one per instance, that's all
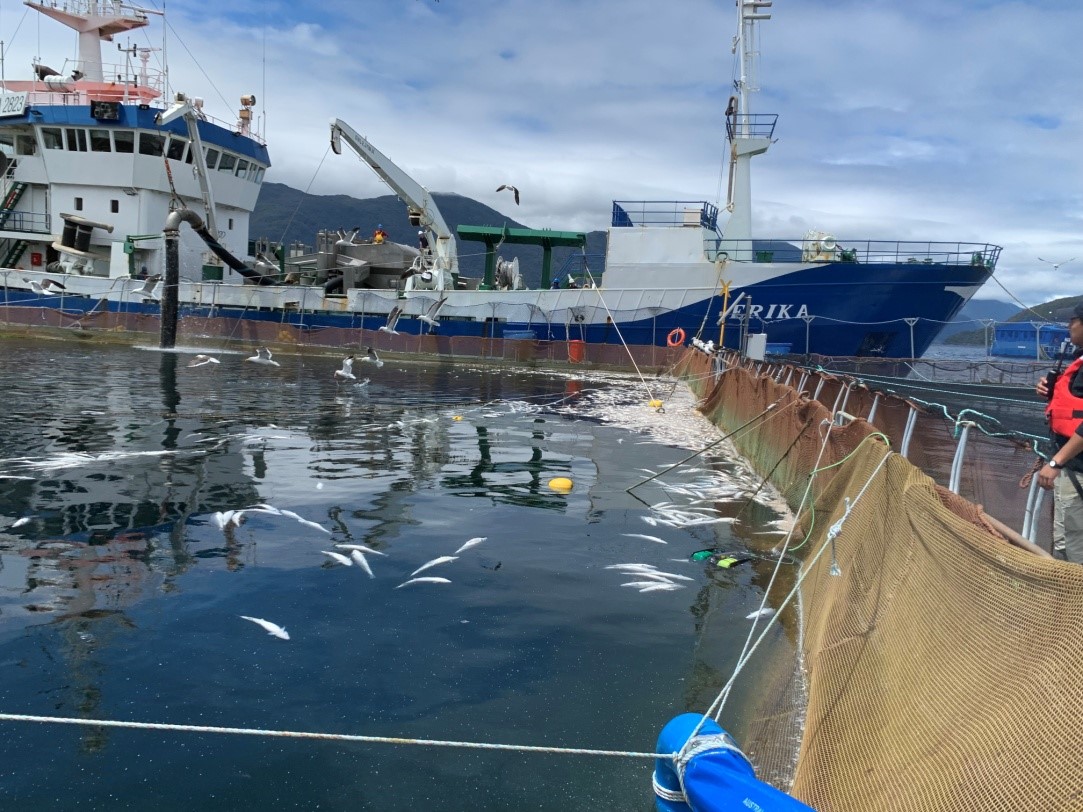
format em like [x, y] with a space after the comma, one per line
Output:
[1042, 387]
[1047, 476]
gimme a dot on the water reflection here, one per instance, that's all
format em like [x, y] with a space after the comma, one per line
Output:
[122, 592]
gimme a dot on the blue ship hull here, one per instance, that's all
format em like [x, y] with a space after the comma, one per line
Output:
[893, 316]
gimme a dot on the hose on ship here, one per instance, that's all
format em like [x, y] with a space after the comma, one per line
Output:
[175, 218]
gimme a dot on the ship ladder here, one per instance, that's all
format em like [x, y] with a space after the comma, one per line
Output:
[15, 191]
[14, 253]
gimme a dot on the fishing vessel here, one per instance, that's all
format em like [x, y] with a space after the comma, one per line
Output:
[97, 158]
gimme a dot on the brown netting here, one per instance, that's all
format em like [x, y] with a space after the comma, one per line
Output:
[942, 662]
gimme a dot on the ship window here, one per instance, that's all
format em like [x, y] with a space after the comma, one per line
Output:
[150, 144]
[124, 141]
[77, 140]
[114, 206]
[52, 138]
[227, 163]
[252, 171]
[99, 141]
[78, 204]
[175, 149]
[25, 145]
[231, 224]
[259, 175]
[212, 158]
[242, 168]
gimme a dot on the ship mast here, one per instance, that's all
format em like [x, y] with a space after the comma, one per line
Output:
[747, 133]
[95, 20]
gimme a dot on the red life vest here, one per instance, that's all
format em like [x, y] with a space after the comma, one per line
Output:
[1065, 410]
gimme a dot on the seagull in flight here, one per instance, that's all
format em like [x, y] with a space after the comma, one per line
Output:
[150, 289]
[203, 360]
[263, 356]
[429, 316]
[1056, 265]
[372, 357]
[346, 373]
[392, 321]
[47, 287]
[511, 189]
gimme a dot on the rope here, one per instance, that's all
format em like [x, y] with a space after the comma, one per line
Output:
[616, 327]
[707, 447]
[804, 573]
[339, 737]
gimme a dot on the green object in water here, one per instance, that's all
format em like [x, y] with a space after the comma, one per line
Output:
[727, 562]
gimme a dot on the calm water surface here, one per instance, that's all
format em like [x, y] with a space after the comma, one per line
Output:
[120, 597]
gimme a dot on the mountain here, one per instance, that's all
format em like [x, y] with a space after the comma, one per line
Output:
[972, 314]
[287, 215]
[1057, 310]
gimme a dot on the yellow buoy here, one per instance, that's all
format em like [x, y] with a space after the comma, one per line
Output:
[655, 404]
[560, 483]
[457, 417]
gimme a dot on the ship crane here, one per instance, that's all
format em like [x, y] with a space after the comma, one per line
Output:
[421, 207]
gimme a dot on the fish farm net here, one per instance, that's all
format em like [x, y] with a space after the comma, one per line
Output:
[940, 659]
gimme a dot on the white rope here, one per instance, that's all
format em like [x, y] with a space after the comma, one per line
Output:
[616, 327]
[339, 737]
[828, 542]
[747, 651]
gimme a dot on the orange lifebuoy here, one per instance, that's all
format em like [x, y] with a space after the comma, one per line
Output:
[675, 338]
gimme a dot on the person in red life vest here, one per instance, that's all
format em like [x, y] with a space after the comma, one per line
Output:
[1063, 472]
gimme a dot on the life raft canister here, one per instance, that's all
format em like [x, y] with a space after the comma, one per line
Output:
[675, 337]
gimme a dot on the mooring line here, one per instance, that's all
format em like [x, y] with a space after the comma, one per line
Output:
[342, 737]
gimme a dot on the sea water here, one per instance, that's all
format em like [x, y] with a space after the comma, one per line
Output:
[121, 595]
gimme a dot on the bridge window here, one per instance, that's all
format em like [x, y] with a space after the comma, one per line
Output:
[78, 204]
[114, 206]
[99, 141]
[259, 175]
[242, 168]
[124, 141]
[227, 163]
[151, 144]
[52, 138]
[212, 158]
[25, 145]
[77, 140]
[175, 148]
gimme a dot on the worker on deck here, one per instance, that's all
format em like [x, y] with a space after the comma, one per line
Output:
[379, 235]
[1065, 415]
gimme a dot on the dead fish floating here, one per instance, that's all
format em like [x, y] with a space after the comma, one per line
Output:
[271, 628]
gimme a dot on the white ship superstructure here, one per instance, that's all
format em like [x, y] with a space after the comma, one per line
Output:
[85, 141]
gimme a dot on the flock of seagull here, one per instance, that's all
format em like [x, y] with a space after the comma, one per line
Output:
[264, 357]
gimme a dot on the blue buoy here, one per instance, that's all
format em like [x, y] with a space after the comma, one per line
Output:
[717, 775]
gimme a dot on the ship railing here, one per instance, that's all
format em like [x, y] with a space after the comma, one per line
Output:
[751, 125]
[675, 213]
[583, 268]
[29, 221]
[81, 98]
[871, 252]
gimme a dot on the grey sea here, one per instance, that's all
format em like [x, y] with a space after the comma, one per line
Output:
[122, 588]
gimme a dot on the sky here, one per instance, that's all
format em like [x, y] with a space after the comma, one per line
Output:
[898, 119]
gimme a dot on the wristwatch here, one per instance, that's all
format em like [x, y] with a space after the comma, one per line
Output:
[1054, 464]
